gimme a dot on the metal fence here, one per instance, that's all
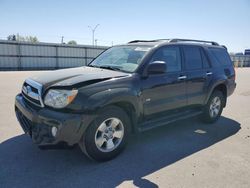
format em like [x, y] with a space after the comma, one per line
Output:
[43, 56]
[40, 56]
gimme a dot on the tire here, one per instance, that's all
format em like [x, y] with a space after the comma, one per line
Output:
[213, 109]
[106, 137]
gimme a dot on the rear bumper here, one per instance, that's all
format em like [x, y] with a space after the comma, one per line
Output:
[39, 123]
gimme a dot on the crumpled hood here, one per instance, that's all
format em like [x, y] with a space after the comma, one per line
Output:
[73, 76]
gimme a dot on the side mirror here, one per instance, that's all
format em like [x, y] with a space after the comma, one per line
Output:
[157, 67]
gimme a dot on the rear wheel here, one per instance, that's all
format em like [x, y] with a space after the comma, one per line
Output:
[214, 107]
[107, 135]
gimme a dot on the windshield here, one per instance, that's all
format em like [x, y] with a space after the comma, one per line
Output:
[123, 58]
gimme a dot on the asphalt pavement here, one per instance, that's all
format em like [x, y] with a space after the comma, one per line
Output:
[184, 154]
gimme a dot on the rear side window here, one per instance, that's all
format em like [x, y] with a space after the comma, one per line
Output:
[192, 57]
[220, 56]
[171, 55]
[205, 60]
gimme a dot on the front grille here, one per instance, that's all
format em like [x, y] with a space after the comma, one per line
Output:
[31, 92]
[29, 99]
[35, 90]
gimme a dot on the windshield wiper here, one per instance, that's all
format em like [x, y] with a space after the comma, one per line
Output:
[110, 68]
[92, 66]
[106, 67]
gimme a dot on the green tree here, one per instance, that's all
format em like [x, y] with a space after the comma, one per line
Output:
[11, 37]
[72, 42]
[33, 39]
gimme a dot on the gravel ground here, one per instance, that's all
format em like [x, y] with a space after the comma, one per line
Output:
[184, 154]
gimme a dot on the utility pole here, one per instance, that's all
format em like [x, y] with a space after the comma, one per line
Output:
[96, 42]
[62, 39]
[93, 33]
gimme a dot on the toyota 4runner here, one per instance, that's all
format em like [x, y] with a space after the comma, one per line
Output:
[126, 89]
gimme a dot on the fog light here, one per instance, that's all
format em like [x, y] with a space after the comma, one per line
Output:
[54, 131]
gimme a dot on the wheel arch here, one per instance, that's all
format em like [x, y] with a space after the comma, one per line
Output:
[130, 111]
[219, 87]
[124, 98]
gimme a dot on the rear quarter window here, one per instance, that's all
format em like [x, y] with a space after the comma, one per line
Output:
[220, 56]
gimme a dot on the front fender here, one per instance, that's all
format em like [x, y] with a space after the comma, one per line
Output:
[112, 96]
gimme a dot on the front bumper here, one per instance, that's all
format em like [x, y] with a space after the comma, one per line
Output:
[38, 124]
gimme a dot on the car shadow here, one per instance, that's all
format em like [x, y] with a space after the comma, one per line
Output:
[22, 164]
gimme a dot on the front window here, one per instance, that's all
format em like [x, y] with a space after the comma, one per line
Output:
[123, 58]
[171, 55]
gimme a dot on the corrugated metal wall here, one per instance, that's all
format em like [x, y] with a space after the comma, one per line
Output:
[36, 56]
[39, 56]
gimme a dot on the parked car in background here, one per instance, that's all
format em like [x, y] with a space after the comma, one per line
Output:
[247, 51]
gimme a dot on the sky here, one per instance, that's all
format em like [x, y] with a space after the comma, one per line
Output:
[224, 21]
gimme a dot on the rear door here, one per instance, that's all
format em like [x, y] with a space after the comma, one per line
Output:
[198, 74]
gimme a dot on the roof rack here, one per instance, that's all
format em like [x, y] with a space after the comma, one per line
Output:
[176, 40]
[135, 41]
[191, 40]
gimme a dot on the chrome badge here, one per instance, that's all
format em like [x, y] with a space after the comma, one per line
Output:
[27, 89]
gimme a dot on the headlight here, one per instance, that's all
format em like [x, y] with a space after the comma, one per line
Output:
[59, 98]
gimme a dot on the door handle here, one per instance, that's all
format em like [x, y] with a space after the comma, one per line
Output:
[209, 73]
[182, 77]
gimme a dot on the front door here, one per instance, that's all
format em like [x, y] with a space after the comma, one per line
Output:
[164, 92]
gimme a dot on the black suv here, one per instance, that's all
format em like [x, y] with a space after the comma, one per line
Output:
[126, 89]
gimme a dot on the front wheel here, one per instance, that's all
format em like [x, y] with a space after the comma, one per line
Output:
[106, 136]
[214, 107]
